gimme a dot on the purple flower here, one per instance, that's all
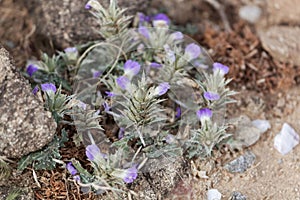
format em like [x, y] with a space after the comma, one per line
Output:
[192, 51]
[35, 90]
[170, 54]
[123, 82]
[71, 168]
[81, 105]
[110, 94]
[71, 53]
[97, 74]
[48, 87]
[176, 36]
[76, 178]
[155, 65]
[130, 174]
[178, 112]
[71, 50]
[106, 107]
[31, 69]
[121, 133]
[212, 96]
[93, 152]
[88, 6]
[131, 68]
[162, 17]
[143, 18]
[204, 114]
[162, 89]
[220, 68]
[169, 139]
[143, 30]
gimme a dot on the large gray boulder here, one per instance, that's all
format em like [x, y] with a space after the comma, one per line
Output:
[24, 124]
[67, 23]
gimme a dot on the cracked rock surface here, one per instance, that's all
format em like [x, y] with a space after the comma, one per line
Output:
[24, 124]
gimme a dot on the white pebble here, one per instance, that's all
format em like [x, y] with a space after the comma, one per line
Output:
[286, 140]
[250, 13]
[262, 125]
[213, 194]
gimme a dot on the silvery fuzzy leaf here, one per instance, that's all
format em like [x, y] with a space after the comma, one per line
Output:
[286, 140]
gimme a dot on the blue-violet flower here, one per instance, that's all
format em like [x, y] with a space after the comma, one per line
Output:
[71, 168]
[121, 133]
[143, 30]
[93, 152]
[220, 68]
[204, 114]
[176, 36]
[97, 74]
[130, 174]
[162, 88]
[123, 82]
[155, 65]
[31, 69]
[162, 17]
[110, 94]
[131, 68]
[211, 96]
[35, 90]
[48, 87]
[192, 51]
[178, 112]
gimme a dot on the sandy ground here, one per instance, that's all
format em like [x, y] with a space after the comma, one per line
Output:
[272, 176]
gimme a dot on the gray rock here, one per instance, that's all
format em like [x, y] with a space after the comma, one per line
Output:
[238, 196]
[67, 22]
[24, 124]
[245, 133]
[158, 178]
[242, 163]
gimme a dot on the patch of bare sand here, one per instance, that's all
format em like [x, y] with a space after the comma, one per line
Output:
[273, 176]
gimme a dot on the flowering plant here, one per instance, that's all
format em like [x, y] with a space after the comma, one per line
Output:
[158, 86]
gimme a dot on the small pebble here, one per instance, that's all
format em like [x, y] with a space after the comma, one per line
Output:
[242, 163]
[213, 194]
[238, 196]
[250, 13]
[286, 140]
[262, 125]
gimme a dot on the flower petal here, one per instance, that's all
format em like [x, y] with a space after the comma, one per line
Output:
[176, 36]
[212, 96]
[131, 68]
[123, 82]
[155, 65]
[71, 168]
[48, 87]
[220, 68]
[143, 30]
[162, 88]
[31, 69]
[92, 151]
[192, 51]
[162, 17]
[130, 174]
[35, 90]
[204, 113]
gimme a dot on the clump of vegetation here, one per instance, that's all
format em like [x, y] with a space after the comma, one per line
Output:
[158, 86]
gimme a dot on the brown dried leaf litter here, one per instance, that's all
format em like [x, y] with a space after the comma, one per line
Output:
[251, 66]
